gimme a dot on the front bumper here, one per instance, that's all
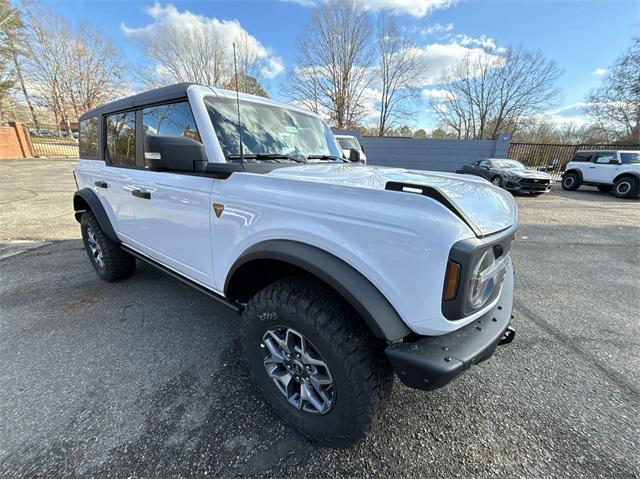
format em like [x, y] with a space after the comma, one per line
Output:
[432, 362]
[529, 185]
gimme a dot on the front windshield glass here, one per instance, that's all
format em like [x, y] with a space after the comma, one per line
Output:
[508, 164]
[349, 143]
[627, 158]
[269, 130]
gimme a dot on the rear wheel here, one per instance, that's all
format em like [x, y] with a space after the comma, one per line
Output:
[605, 188]
[571, 182]
[109, 260]
[626, 187]
[315, 361]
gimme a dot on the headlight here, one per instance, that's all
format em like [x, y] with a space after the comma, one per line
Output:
[484, 277]
[514, 179]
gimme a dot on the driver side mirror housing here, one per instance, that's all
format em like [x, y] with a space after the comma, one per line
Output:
[173, 153]
[354, 156]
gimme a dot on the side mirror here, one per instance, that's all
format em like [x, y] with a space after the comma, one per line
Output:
[173, 153]
[354, 156]
[361, 147]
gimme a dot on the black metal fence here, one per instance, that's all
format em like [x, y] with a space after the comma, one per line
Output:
[54, 141]
[553, 158]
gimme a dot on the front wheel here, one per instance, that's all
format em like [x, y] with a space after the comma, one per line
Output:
[496, 181]
[571, 182]
[314, 361]
[626, 187]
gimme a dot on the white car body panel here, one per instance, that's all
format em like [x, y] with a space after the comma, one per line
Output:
[400, 241]
[603, 173]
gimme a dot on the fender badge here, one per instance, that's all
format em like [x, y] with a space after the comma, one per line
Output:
[218, 208]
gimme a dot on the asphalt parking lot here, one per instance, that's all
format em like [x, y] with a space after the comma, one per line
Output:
[143, 378]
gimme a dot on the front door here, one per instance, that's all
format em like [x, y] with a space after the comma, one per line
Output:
[603, 169]
[173, 210]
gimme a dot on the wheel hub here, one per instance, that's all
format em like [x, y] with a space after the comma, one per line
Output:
[298, 370]
[94, 247]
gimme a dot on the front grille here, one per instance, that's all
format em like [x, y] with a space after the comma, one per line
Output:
[535, 181]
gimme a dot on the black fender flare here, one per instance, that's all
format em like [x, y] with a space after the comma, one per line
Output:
[88, 197]
[627, 173]
[573, 170]
[381, 317]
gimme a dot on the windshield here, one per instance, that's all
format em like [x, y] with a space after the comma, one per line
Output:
[349, 143]
[508, 164]
[627, 158]
[269, 130]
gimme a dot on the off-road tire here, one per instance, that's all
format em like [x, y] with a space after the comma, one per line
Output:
[362, 376]
[626, 187]
[571, 182]
[116, 263]
[605, 188]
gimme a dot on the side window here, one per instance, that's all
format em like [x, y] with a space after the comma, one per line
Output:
[582, 157]
[174, 119]
[484, 164]
[606, 158]
[121, 139]
[88, 138]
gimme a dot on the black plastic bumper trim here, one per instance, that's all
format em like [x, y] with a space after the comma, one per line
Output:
[434, 361]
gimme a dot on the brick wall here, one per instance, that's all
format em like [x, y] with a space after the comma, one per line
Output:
[15, 141]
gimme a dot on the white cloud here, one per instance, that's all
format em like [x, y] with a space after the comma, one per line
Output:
[568, 114]
[599, 72]
[414, 8]
[437, 29]
[168, 16]
[439, 57]
[434, 93]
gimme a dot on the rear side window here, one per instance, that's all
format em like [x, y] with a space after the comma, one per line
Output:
[121, 139]
[88, 138]
[582, 157]
[174, 119]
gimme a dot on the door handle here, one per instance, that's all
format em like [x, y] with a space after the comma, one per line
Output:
[592, 167]
[141, 194]
[101, 184]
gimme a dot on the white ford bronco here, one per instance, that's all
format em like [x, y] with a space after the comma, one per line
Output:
[615, 171]
[343, 273]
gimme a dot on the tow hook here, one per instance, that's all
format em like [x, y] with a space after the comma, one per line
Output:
[508, 336]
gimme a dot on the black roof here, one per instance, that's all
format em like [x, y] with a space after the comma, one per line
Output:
[159, 95]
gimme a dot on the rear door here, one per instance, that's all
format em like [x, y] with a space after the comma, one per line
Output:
[604, 167]
[114, 181]
[173, 210]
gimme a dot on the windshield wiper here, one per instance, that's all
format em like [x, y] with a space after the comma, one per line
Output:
[270, 156]
[326, 157]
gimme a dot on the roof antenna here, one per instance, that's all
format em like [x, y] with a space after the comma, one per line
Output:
[235, 69]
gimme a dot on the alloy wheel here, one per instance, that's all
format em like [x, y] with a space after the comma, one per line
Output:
[96, 251]
[298, 370]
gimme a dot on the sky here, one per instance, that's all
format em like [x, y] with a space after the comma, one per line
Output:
[583, 36]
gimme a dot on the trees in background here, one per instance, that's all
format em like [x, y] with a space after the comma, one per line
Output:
[399, 70]
[491, 93]
[615, 105]
[66, 70]
[331, 74]
[203, 54]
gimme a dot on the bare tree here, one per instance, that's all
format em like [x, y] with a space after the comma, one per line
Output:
[488, 93]
[71, 70]
[399, 70]
[332, 66]
[616, 104]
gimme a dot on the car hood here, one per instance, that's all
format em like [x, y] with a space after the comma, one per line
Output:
[487, 208]
[540, 175]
